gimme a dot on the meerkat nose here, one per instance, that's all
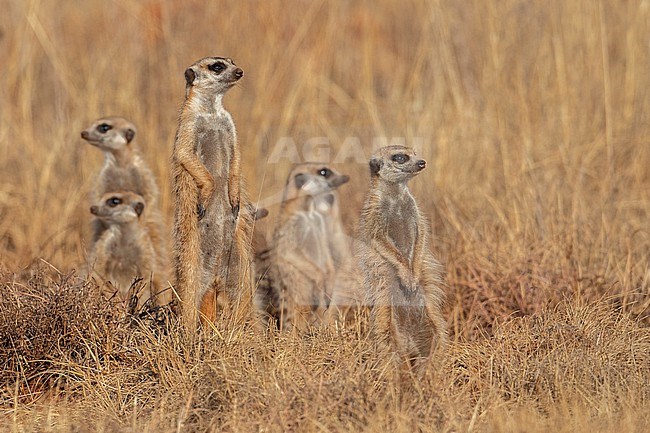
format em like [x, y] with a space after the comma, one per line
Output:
[340, 180]
[421, 164]
[84, 135]
[239, 73]
[93, 210]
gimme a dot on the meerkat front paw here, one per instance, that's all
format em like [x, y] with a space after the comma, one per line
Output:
[235, 209]
[407, 283]
[205, 195]
[200, 211]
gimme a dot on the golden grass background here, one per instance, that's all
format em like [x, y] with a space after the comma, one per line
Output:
[535, 121]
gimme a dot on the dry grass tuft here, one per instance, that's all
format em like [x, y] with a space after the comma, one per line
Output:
[486, 291]
[56, 328]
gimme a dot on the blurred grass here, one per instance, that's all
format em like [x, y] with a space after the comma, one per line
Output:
[534, 118]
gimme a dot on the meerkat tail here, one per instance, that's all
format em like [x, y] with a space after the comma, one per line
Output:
[187, 245]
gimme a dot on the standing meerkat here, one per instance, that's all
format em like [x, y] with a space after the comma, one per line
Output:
[308, 246]
[402, 277]
[213, 224]
[124, 250]
[124, 169]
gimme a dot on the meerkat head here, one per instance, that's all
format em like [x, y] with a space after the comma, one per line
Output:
[313, 179]
[395, 164]
[109, 133]
[119, 207]
[213, 74]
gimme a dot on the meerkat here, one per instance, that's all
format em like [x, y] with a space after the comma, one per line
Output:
[124, 169]
[402, 277]
[213, 224]
[308, 245]
[124, 251]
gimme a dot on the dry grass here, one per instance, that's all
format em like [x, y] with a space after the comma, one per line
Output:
[83, 366]
[534, 117]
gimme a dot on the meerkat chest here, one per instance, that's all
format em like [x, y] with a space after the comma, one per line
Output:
[402, 227]
[323, 203]
[216, 141]
[315, 236]
[128, 244]
[124, 254]
[115, 177]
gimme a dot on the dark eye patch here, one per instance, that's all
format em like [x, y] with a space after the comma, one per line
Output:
[104, 127]
[325, 172]
[217, 67]
[400, 158]
[114, 201]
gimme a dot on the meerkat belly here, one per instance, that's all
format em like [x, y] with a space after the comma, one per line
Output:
[215, 154]
[402, 229]
[404, 239]
[217, 227]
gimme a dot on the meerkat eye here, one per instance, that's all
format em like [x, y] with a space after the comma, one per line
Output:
[325, 172]
[400, 158]
[104, 127]
[217, 67]
[114, 201]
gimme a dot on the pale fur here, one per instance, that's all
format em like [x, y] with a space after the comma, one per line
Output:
[124, 169]
[308, 246]
[124, 251]
[403, 279]
[213, 219]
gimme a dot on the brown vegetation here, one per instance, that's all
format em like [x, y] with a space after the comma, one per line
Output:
[533, 117]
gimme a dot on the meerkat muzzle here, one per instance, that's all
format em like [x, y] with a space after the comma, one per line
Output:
[339, 180]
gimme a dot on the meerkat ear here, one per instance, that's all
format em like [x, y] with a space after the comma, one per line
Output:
[130, 133]
[375, 165]
[190, 76]
[139, 208]
[300, 180]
